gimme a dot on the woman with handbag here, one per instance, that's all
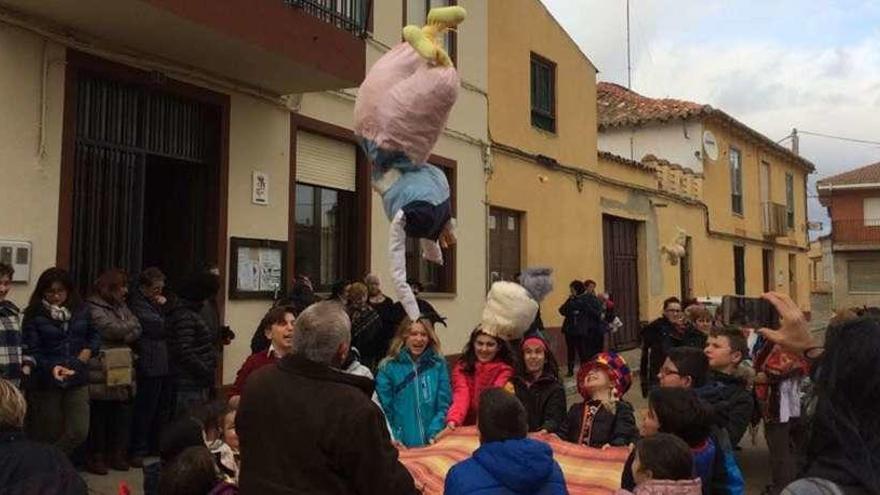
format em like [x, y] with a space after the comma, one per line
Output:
[111, 374]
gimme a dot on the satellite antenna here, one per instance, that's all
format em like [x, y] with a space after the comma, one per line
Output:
[710, 145]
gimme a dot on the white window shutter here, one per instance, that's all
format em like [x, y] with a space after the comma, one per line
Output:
[325, 162]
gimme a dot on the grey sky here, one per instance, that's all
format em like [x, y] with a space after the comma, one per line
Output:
[774, 65]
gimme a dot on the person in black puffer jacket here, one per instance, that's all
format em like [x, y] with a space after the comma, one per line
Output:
[153, 398]
[192, 353]
[59, 335]
[582, 326]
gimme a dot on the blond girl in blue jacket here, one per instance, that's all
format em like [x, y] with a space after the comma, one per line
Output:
[413, 384]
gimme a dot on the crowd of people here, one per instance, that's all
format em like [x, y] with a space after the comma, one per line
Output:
[334, 389]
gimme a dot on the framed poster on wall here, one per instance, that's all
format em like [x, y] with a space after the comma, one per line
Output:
[258, 268]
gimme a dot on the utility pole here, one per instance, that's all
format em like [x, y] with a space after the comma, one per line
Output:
[795, 144]
[628, 57]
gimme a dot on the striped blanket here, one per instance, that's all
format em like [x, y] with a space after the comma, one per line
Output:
[587, 470]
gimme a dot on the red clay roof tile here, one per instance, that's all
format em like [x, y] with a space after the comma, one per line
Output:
[869, 174]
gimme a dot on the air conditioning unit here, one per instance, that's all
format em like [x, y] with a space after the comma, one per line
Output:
[18, 255]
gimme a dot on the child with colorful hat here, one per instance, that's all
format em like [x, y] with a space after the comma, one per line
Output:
[603, 419]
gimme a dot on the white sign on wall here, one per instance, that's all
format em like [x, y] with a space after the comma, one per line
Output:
[17, 254]
[260, 188]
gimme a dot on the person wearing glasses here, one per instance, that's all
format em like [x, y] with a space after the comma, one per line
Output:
[656, 341]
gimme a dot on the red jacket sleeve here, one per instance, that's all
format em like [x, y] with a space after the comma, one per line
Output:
[461, 396]
[504, 376]
[246, 368]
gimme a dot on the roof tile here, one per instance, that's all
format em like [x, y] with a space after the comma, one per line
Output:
[619, 106]
[869, 174]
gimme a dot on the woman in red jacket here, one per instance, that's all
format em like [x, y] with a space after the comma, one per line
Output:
[486, 362]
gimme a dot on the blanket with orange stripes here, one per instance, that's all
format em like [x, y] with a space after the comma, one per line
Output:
[587, 470]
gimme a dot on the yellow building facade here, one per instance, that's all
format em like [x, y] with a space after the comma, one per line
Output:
[556, 200]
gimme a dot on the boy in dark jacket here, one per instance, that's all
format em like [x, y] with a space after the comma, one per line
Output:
[678, 411]
[727, 388]
[507, 463]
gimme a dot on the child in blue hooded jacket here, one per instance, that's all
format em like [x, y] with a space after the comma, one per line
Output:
[507, 463]
[413, 384]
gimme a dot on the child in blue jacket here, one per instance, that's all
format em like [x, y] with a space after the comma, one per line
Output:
[413, 384]
[507, 462]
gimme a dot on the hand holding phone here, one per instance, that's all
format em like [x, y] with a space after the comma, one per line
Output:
[749, 312]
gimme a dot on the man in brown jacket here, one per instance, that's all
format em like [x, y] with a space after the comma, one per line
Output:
[306, 427]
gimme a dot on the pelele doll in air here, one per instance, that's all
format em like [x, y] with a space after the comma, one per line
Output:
[401, 109]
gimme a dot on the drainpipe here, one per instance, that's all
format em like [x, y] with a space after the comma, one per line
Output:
[487, 173]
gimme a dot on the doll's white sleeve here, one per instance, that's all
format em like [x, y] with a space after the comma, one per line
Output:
[397, 250]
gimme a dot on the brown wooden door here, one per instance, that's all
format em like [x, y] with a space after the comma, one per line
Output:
[504, 244]
[620, 245]
[767, 269]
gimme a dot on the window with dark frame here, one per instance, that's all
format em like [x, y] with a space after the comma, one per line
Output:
[736, 188]
[543, 92]
[433, 277]
[789, 201]
[739, 270]
[415, 12]
[863, 276]
[324, 234]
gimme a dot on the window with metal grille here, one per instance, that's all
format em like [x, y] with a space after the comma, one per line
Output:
[736, 182]
[543, 86]
[415, 12]
[434, 277]
[789, 201]
[739, 270]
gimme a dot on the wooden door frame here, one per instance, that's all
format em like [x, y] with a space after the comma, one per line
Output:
[217, 229]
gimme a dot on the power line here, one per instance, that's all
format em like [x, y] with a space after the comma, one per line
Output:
[840, 138]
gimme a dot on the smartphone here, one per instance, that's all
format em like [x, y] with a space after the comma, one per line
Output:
[750, 312]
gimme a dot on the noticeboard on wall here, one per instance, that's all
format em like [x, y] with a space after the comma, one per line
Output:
[258, 268]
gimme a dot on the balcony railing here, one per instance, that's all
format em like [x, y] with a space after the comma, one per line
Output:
[774, 219]
[350, 15]
[856, 231]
